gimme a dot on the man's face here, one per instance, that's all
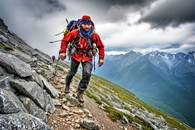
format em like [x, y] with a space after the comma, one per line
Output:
[86, 27]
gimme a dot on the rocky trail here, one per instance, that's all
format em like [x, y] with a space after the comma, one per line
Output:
[72, 115]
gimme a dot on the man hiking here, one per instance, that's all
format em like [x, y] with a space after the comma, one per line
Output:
[83, 37]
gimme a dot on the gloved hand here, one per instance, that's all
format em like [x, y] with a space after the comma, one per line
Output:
[100, 62]
[62, 55]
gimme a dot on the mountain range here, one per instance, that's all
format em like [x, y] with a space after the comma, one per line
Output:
[164, 80]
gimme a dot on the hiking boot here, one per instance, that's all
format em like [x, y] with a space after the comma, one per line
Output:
[67, 89]
[80, 96]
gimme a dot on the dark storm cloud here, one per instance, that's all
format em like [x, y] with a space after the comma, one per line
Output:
[39, 8]
[126, 2]
[170, 12]
[117, 10]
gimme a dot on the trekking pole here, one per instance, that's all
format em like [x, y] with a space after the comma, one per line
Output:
[94, 63]
[54, 41]
[63, 30]
[59, 33]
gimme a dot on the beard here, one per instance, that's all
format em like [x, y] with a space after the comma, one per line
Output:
[86, 29]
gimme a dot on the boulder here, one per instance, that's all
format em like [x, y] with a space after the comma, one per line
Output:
[4, 83]
[50, 105]
[21, 121]
[22, 56]
[89, 124]
[9, 103]
[50, 89]
[14, 65]
[32, 90]
[32, 108]
[3, 39]
[41, 56]
[36, 78]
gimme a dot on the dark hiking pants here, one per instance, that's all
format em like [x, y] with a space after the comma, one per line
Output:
[86, 73]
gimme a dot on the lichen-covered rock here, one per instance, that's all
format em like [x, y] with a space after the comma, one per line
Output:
[14, 65]
[50, 105]
[50, 89]
[21, 121]
[32, 90]
[37, 79]
[4, 82]
[32, 108]
[9, 103]
[89, 124]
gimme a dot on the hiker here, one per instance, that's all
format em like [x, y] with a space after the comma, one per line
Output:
[82, 52]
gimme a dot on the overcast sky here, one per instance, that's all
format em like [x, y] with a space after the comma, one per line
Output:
[141, 25]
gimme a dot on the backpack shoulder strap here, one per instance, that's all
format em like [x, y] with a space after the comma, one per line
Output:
[90, 41]
[76, 40]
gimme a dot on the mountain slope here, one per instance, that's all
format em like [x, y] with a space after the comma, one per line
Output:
[30, 85]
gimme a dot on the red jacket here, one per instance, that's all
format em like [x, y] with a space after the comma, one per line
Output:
[82, 44]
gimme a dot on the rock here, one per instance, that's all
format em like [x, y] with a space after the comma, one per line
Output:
[3, 39]
[62, 81]
[78, 111]
[9, 103]
[50, 89]
[42, 56]
[22, 56]
[63, 114]
[57, 102]
[124, 120]
[32, 108]
[63, 100]
[14, 65]
[21, 121]
[124, 111]
[49, 103]
[37, 79]
[2, 71]
[51, 68]
[72, 100]
[32, 90]
[4, 83]
[89, 124]
[136, 126]
[65, 107]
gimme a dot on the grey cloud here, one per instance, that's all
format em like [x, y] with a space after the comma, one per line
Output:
[174, 45]
[170, 12]
[41, 7]
[126, 2]
[115, 10]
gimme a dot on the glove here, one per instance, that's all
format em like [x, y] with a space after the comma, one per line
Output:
[100, 62]
[62, 55]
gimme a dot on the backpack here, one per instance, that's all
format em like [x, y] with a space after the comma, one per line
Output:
[72, 47]
[73, 24]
